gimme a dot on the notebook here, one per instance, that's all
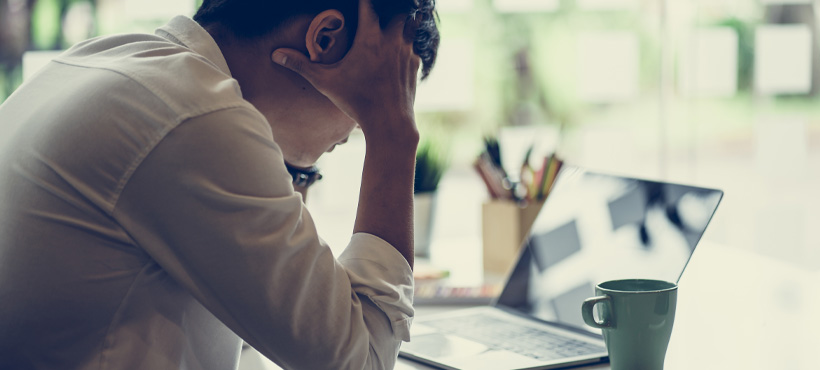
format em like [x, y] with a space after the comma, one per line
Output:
[593, 227]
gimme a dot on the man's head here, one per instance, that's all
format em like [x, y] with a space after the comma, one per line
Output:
[323, 30]
[255, 19]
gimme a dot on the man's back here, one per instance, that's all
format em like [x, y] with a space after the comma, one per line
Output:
[74, 284]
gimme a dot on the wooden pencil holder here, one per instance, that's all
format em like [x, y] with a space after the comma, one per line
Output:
[505, 224]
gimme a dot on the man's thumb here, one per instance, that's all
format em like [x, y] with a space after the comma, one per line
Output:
[293, 60]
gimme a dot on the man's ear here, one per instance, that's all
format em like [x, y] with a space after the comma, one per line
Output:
[327, 37]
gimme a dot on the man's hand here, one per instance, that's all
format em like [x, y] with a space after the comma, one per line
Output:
[375, 83]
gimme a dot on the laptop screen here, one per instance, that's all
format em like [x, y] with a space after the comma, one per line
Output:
[596, 227]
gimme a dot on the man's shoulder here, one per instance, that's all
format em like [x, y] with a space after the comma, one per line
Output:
[187, 82]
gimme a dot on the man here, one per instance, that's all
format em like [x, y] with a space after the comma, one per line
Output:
[147, 216]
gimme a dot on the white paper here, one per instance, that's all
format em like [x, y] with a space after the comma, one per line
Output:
[522, 6]
[783, 59]
[608, 66]
[709, 63]
[450, 84]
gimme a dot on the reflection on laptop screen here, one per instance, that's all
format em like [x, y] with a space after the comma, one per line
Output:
[597, 227]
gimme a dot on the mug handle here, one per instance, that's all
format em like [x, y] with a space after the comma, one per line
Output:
[586, 311]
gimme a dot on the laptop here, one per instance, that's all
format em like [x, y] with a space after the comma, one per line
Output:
[593, 227]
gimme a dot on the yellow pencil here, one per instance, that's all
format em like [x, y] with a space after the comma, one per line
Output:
[555, 163]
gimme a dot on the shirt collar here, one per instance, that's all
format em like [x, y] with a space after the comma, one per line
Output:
[188, 33]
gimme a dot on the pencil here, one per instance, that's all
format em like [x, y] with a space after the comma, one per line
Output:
[544, 174]
[553, 171]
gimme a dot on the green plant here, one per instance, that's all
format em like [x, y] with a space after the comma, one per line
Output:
[431, 163]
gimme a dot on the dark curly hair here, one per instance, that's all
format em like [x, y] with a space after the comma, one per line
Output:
[257, 18]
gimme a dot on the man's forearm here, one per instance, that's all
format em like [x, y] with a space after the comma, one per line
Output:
[386, 195]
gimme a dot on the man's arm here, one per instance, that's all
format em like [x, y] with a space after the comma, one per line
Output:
[386, 196]
[213, 205]
[375, 84]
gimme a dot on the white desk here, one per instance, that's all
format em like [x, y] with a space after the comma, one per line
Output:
[736, 310]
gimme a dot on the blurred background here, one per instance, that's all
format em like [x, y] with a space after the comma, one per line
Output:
[716, 93]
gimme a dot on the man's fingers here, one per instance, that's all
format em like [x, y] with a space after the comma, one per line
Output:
[295, 61]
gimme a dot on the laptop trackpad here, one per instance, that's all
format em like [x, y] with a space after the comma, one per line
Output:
[464, 354]
[493, 360]
[441, 346]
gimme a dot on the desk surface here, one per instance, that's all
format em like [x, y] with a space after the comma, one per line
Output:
[736, 310]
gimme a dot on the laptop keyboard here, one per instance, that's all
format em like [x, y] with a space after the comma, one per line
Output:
[505, 335]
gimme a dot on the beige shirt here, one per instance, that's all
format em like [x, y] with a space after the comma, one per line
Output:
[147, 222]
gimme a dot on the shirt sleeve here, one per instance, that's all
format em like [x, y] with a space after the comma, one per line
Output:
[374, 271]
[213, 205]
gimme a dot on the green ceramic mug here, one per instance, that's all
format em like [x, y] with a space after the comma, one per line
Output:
[636, 320]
